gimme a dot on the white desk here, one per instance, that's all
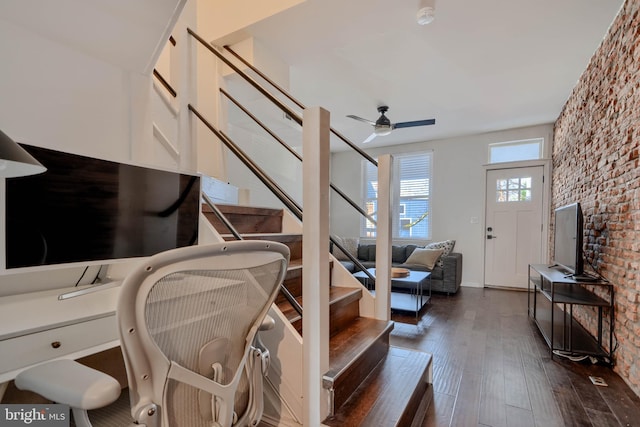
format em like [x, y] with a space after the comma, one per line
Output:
[37, 327]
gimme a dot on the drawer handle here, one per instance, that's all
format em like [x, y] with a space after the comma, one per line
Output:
[56, 344]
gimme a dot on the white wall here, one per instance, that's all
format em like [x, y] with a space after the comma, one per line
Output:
[53, 96]
[58, 97]
[458, 190]
[226, 18]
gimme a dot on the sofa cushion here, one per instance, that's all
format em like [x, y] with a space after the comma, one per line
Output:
[369, 264]
[398, 254]
[437, 273]
[368, 253]
[372, 253]
[426, 257]
[363, 252]
[446, 246]
[351, 246]
[350, 266]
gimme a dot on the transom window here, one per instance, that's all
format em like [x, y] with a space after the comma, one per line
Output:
[513, 190]
[412, 182]
[513, 151]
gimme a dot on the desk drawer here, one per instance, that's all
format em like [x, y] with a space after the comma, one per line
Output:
[40, 346]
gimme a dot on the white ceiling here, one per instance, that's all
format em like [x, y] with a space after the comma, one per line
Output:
[129, 34]
[480, 66]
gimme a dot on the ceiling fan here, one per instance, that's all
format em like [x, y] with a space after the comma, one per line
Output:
[383, 125]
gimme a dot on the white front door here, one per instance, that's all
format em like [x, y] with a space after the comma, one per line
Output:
[513, 226]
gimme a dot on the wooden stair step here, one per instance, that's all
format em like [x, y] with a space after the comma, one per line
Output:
[344, 306]
[246, 219]
[396, 393]
[292, 240]
[353, 353]
[292, 280]
[291, 314]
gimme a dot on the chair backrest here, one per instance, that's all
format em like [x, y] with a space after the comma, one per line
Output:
[187, 319]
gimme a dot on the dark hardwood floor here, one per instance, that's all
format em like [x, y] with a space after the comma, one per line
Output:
[492, 368]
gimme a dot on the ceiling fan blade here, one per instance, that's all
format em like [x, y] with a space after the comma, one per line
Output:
[361, 119]
[414, 123]
[369, 138]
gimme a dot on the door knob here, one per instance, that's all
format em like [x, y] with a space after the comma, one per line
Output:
[489, 236]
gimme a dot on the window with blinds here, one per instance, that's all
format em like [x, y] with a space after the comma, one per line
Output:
[412, 184]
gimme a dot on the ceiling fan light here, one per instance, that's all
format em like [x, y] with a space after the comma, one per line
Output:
[382, 130]
[426, 15]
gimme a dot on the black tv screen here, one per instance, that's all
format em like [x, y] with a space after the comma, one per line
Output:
[84, 209]
[567, 238]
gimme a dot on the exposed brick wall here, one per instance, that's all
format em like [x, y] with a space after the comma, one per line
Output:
[596, 163]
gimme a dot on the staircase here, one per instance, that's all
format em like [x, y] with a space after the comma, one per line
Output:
[370, 383]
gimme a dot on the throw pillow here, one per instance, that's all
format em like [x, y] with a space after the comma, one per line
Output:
[446, 246]
[426, 257]
[350, 244]
[409, 250]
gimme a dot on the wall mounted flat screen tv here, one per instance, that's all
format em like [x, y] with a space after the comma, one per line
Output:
[567, 239]
[84, 210]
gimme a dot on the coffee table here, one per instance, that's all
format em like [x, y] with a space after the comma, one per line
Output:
[412, 301]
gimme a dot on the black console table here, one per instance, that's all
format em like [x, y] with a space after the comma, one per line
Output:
[552, 295]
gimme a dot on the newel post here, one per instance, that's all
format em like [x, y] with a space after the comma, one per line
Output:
[315, 253]
[384, 237]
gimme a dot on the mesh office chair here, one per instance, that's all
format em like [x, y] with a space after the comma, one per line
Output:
[188, 319]
[188, 322]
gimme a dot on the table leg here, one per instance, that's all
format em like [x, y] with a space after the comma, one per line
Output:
[418, 297]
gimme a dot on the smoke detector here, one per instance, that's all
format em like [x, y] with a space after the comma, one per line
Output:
[426, 15]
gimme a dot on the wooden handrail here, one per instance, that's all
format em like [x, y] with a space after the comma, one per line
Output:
[298, 103]
[278, 192]
[252, 82]
[165, 83]
[294, 153]
[287, 294]
[288, 111]
[260, 123]
[221, 217]
[257, 171]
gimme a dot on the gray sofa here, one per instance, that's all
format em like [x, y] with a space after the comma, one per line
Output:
[445, 278]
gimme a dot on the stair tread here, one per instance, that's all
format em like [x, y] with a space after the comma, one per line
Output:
[349, 343]
[244, 210]
[387, 396]
[245, 219]
[292, 240]
[336, 295]
[278, 237]
[295, 264]
[289, 312]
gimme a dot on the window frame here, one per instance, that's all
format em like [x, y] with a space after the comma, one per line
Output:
[367, 229]
[517, 143]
